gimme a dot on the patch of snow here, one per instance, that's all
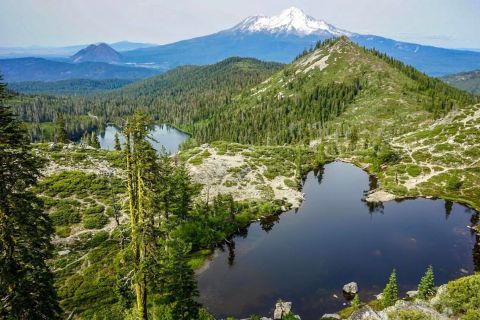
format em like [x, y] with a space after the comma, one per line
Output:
[291, 20]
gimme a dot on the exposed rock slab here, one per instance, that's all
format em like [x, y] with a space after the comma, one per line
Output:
[380, 196]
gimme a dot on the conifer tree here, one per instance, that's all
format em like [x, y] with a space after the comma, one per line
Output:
[26, 283]
[426, 288]
[94, 141]
[136, 133]
[390, 293]
[60, 130]
[180, 286]
[118, 146]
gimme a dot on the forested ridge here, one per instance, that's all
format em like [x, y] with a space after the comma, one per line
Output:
[296, 104]
[180, 97]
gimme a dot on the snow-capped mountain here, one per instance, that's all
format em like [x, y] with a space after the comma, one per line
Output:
[289, 21]
[277, 38]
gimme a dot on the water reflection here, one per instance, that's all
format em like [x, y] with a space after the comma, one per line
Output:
[307, 257]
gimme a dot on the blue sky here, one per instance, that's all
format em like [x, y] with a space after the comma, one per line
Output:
[446, 23]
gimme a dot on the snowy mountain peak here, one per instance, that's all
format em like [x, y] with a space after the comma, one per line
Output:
[290, 21]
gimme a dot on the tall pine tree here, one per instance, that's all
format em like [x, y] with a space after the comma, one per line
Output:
[390, 293]
[180, 287]
[118, 146]
[26, 283]
[426, 288]
[60, 131]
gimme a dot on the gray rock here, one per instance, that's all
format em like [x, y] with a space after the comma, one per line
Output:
[421, 307]
[331, 316]
[436, 301]
[63, 252]
[351, 288]
[379, 296]
[281, 309]
[412, 294]
[365, 313]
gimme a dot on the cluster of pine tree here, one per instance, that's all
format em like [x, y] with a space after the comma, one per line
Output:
[278, 120]
[426, 288]
[442, 96]
[90, 139]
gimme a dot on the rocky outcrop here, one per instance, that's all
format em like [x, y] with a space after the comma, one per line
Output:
[351, 288]
[380, 196]
[419, 307]
[282, 309]
[365, 313]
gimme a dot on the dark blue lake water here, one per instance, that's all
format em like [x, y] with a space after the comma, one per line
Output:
[307, 255]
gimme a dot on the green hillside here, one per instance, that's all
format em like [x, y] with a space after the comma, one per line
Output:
[298, 103]
[417, 134]
[468, 81]
[180, 96]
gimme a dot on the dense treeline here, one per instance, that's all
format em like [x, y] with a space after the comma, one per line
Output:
[277, 119]
[68, 87]
[181, 96]
[443, 97]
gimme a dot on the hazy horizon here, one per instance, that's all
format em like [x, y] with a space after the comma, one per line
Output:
[57, 23]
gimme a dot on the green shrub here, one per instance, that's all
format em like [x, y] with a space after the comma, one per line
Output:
[94, 221]
[463, 295]
[95, 210]
[414, 171]
[62, 231]
[290, 183]
[356, 303]
[454, 183]
[65, 217]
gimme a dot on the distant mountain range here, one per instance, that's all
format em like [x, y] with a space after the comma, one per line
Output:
[281, 38]
[39, 69]
[277, 38]
[63, 52]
